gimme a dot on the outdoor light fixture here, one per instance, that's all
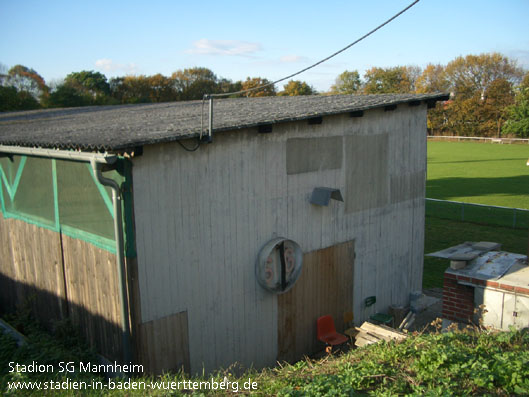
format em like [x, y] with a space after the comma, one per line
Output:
[322, 195]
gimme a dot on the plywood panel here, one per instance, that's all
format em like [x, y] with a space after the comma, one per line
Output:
[324, 287]
[164, 344]
[367, 172]
[93, 295]
[313, 154]
[407, 186]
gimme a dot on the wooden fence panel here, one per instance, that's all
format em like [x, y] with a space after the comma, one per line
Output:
[93, 294]
[31, 268]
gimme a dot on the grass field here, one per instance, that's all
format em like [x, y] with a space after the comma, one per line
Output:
[482, 173]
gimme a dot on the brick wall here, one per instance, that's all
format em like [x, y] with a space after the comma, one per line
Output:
[458, 299]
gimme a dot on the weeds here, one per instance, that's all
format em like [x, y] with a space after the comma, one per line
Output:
[470, 361]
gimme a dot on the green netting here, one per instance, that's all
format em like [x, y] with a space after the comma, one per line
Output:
[9, 169]
[60, 195]
[82, 204]
[34, 193]
[4, 196]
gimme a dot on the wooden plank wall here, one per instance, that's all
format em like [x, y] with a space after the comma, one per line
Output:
[324, 287]
[31, 268]
[92, 286]
[8, 293]
[58, 279]
[202, 217]
[199, 217]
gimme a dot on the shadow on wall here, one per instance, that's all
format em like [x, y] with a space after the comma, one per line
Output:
[48, 308]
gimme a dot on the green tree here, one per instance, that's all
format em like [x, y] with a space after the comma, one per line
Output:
[482, 89]
[226, 86]
[67, 96]
[131, 89]
[295, 88]
[193, 83]
[11, 99]
[90, 84]
[162, 88]
[472, 74]
[255, 82]
[347, 82]
[25, 79]
[21, 88]
[398, 79]
[497, 99]
[517, 123]
[432, 79]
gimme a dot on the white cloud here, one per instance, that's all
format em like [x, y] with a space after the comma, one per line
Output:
[108, 65]
[293, 58]
[224, 47]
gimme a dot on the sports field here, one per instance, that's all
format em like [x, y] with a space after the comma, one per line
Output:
[483, 173]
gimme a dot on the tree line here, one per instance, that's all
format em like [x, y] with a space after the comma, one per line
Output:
[489, 93]
[22, 88]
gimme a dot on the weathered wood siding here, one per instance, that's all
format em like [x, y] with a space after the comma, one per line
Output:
[202, 217]
[92, 288]
[164, 344]
[61, 277]
[31, 270]
[324, 287]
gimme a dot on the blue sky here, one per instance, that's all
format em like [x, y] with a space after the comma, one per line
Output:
[237, 39]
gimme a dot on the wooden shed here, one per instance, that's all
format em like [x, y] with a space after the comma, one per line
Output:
[168, 257]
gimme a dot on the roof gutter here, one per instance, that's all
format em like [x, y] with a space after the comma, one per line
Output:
[102, 158]
[97, 161]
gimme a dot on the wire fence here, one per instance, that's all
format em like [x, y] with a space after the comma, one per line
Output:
[477, 139]
[517, 218]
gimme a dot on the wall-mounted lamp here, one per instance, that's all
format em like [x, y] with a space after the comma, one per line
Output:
[322, 195]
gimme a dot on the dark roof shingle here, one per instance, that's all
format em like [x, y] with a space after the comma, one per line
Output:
[122, 127]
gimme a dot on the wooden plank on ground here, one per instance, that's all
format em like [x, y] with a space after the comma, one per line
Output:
[382, 330]
[370, 333]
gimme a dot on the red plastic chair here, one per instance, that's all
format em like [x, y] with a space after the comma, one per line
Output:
[327, 332]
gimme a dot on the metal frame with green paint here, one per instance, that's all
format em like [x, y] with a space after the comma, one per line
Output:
[12, 190]
[99, 241]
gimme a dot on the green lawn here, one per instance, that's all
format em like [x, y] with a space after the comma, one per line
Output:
[482, 173]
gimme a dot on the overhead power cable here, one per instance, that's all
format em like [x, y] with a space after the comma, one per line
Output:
[317, 63]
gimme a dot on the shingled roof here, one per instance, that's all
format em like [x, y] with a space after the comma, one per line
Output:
[115, 128]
